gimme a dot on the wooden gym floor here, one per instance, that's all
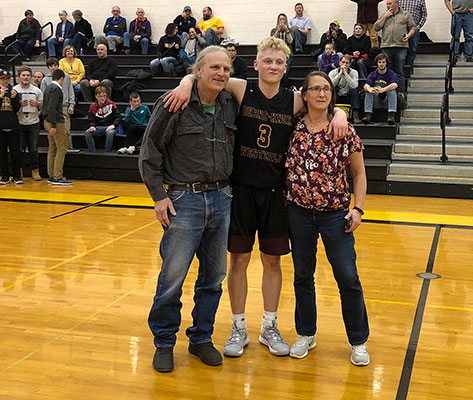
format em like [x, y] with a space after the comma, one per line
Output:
[78, 269]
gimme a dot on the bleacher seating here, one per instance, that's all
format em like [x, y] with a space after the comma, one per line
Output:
[378, 139]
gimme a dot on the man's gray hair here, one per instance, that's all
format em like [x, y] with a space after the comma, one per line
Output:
[201, 57]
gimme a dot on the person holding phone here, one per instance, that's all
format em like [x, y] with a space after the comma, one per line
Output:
[318, 201]
[283, 32]
[9, 130]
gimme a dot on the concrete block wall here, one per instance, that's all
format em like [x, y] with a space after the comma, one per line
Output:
[246, 21]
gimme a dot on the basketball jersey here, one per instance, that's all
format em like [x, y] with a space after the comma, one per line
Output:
[264, 129]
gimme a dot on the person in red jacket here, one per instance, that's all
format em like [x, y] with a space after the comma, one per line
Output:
[104, 118]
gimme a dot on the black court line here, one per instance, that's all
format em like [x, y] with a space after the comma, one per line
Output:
[65, 203]
[405, 380]
[83, 208]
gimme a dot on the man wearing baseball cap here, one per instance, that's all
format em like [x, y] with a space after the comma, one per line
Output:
[184, 22]
[9, 130]
[334, 35]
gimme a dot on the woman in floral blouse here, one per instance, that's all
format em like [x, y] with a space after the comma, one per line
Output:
[318, 204]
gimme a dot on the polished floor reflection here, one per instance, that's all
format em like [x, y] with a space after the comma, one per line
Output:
[75, 292]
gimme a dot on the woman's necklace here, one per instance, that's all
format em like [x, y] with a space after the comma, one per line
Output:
[317, 126]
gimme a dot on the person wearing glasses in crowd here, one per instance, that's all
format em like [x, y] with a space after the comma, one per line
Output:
[318, 199]
[114, 29]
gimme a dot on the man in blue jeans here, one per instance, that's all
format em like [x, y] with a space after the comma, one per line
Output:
[462, 18]
[185, 161]
[380, 88]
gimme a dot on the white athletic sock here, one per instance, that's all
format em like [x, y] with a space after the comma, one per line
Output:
[239, 320]
[269, 319]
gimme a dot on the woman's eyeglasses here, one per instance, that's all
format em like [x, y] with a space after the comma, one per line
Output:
[318, 89]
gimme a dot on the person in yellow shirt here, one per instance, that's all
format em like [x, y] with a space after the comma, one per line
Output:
[73, 67]
[210, 27]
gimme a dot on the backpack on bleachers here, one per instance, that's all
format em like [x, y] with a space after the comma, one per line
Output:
[139, 74]
[129, 87]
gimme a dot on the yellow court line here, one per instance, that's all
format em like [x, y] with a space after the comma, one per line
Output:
[60, 336]
[136, 201]
[51, 196]
[11, 286]
[442, 219]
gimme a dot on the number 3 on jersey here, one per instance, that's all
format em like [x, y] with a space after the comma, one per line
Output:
[265, 136]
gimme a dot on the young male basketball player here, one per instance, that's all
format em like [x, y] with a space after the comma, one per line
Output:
[264, 126]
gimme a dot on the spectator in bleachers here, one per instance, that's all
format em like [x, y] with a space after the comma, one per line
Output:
[54, 125]
[397, 27]
[169, 47]
[462, 15]
[28, 35]
[73, 67]
[68, 98]
[329, 59]
[210, 27]
[358, 46]
[282, 31]
[137, 116]
[139, 33]
[37, 78]
[31, 100]
[184, 22]
[300, 27]
[240, 70]
[114, 29]
[345, 81]
[380, 88]
[9, 130]
[100, 71]
[104, 118]
[83, 32]
[64, 35]
[192, 45]
[418, 11]
[367, 15]
[334, 35]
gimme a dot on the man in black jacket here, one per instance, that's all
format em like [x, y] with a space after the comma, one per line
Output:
[184, 22]
[28, 34]
[54, 125]
[240, 70]
[334, 35]
[100, 72]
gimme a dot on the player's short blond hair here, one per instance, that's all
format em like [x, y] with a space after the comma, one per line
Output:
[272, 43]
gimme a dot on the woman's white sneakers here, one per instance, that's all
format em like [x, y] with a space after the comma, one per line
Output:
[301, 348]
[359, 355]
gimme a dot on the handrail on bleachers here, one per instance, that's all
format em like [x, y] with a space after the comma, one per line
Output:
[445, 108]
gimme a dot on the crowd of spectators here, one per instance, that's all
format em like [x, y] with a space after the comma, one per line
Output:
[346, 60]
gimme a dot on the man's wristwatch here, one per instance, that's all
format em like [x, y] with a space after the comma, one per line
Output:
[359, 210]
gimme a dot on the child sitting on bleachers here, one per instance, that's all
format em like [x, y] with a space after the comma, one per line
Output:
[330, 59]
[137, 116]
